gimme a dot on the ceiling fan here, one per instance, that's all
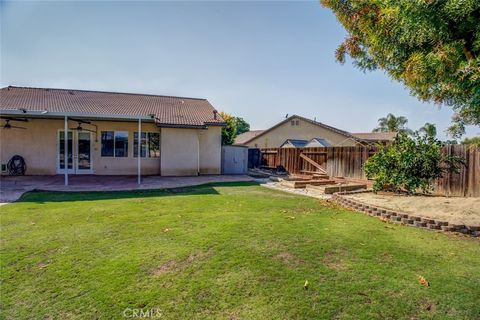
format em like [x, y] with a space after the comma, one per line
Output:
[9, 126]
[80, 129]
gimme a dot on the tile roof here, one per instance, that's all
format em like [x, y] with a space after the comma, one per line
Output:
[244, 137]
[169, 110]
[376, 136]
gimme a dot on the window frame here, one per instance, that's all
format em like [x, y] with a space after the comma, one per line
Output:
[147, 144]
[114, 154]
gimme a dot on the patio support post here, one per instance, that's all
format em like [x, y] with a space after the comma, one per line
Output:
[139, 141]
[65, 148]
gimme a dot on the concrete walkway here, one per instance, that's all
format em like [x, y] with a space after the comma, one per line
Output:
[12, 188]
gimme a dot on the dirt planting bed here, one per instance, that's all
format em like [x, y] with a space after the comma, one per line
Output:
[455, 210]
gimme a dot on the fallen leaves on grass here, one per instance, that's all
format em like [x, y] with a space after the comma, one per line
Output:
[423, 281]
[305, 285]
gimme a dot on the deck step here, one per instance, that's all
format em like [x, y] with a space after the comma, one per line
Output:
[332, 188]
[304, 183]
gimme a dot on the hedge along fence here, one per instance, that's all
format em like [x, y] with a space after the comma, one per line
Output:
[348, 162]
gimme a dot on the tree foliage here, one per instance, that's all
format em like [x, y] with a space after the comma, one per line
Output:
[229, 132]
[431, 46]
[410, 164]
[428, 129]
[472, 141]
[242, 125]
[392, 123]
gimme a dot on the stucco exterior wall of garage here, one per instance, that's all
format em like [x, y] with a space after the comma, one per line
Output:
[38, 145]
[190, 151]
[303, 131]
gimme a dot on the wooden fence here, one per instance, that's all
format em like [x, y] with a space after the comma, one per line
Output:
[348, 162]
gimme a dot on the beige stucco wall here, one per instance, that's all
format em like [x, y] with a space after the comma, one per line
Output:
[211, 150]
[304, 131]
[178, 148]
[199, 151]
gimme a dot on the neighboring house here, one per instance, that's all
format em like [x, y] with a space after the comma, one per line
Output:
[246, 136]
[179, 136]
[317, 143]
[292, 143]
[376, 137]
[299, 128]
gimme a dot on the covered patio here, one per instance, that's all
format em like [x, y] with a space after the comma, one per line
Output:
[13, 187]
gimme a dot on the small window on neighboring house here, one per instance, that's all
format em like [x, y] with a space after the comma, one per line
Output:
[297, 122]
[149, 144]
[114, 144]
[292, 122]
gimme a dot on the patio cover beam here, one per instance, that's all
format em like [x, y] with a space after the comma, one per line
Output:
[65, 148]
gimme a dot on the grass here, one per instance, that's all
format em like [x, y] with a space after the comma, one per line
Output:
[225, 251]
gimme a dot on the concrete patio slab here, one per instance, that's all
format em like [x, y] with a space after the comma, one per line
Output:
[12, 188]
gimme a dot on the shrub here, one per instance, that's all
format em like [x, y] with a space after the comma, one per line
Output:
[409, 164]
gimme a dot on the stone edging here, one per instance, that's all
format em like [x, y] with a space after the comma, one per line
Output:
[403, 218]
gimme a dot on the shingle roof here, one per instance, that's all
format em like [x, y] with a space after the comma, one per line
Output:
[169, 110]
[244, 137]
[376, 136]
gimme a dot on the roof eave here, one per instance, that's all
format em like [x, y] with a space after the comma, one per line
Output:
[48, 114]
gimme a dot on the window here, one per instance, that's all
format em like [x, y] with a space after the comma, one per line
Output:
[149, 144]
[297, 122]
[121, 144]
[153, 144]
[107, 143]
[114, 144]
[292, 122]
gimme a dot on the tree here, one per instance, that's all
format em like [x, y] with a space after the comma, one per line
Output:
[472, 141]
[429, 129]
[431, 46]
[409, 164]
[392, 123]
[229, 132]
[241, 125]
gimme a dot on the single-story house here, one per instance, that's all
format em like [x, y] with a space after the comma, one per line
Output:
[376, 137]
[317, 143]
[293, 143]
[300, 128]
[179, 136]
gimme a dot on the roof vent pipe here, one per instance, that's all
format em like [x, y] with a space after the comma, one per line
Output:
[215, 114]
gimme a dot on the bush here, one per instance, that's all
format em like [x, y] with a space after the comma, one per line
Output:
[409, 164]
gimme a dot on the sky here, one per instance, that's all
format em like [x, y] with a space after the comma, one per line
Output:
[256, 60]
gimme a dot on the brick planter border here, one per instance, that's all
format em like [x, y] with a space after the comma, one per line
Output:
[401, 217]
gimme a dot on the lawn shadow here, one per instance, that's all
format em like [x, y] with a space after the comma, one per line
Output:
[62, 196]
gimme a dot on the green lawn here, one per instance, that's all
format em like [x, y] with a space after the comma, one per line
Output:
[225, 251]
